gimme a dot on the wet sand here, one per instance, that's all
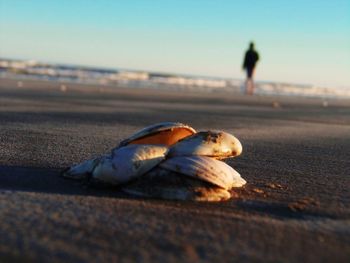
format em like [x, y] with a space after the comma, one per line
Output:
[295, 207]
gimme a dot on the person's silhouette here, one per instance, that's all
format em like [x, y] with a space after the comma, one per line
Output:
[250, 59]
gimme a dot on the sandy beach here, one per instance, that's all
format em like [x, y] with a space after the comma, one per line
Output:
[294, 208]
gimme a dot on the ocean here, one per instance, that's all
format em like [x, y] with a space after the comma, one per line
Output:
[143, 79]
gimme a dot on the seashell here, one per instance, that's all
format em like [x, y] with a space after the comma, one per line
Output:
[144, 165]
[129, 162]
[206, 169]
[165, 184]
[82, 170]
[165, 133]
[217, 144]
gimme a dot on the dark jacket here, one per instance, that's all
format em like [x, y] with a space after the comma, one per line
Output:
[250, 59]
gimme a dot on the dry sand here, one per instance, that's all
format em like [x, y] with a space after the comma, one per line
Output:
[295, 207]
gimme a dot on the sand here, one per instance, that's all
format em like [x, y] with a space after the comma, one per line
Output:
[295, 207]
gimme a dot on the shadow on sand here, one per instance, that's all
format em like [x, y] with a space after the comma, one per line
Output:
[48, 180]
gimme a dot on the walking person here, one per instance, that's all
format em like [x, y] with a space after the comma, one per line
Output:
[250, 59]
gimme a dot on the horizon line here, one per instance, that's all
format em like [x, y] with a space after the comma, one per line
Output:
[161, 72]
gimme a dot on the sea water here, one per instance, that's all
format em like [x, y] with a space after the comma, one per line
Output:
[144, 79]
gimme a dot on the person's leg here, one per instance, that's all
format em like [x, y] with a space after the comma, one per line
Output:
[247, 86]
[249, 82]
[252, 87]
[252, 84]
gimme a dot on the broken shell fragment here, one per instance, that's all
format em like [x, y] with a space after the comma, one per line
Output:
[165, 133]
[206, 169]
[129, 162]
[81, 170]
[165, 184]
[217, 144]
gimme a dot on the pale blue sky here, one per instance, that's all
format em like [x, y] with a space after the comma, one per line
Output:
[299, 41]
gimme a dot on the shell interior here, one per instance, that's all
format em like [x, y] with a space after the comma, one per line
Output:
[165, 133]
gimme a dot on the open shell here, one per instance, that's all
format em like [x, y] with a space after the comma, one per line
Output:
[217, 144]
[165, 184]
[206, 169]
[165, 133]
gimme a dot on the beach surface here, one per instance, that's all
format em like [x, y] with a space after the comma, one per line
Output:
[296, 160]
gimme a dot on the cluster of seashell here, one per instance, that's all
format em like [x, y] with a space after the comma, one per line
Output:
[170, 161]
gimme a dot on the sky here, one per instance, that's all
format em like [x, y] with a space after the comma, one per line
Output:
[299, 41]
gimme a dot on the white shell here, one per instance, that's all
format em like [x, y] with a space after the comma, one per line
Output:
[129, 162]
[165, 184]
[81, 170]
[154, 129]
[206, 169]
[217, 144]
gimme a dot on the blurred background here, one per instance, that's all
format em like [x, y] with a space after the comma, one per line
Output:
[77, 77]
[304, 46]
